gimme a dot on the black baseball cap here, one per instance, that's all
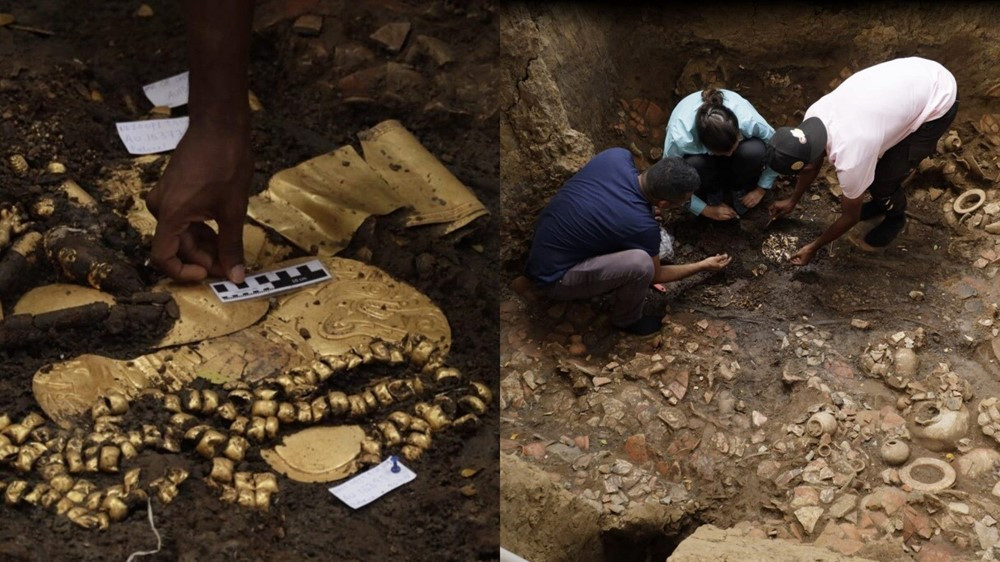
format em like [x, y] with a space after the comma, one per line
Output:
[791, 148]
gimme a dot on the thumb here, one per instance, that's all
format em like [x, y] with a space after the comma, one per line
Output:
[231, 250]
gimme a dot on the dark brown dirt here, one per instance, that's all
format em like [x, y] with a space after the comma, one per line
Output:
[45, 116]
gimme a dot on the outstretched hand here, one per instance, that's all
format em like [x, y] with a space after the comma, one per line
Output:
[208, 178]
[781, 208]
[716, 262]
[752, 197]
[803, 256]
[720, 212]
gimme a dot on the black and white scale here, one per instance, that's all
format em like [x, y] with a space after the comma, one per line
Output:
[267, 283]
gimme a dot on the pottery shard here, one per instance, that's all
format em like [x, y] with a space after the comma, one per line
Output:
[808, 516]
[635, 448]
[843, 506]
[308, 25]
[392, 35]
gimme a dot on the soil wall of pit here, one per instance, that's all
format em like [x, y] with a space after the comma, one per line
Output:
[576, 79]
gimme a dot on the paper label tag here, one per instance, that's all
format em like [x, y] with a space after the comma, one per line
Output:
[267, 283]
[373, 484]
[155, 135]
[171, 92]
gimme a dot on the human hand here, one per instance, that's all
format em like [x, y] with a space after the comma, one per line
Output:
[721, 212]
[781, 208]
[715, 263]
[208, 178]
[751, 198]
[804, 255]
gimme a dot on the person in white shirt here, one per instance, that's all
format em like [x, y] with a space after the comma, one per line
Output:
[875, 127]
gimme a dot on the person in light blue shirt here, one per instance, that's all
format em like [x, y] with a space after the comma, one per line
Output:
[725, 139]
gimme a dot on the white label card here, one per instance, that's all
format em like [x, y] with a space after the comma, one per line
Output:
[373, 483]
[267, 283]
[155, 135]
[171, 92]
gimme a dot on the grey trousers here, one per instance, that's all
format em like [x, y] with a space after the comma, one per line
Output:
[627, 275]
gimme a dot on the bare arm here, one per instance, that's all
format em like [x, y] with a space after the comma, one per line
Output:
[209, 174]
[849, 216]
[802, 183]
[668, 273]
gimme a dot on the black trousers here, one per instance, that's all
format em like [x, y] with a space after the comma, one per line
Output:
[886, 189]
[737, 173]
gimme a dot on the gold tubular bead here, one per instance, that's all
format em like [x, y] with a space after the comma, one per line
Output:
[222, 470]
[235, 448]
[339, 403]
[401, 419]
[193, 401]
[240, 425]
[209, 441]
[271, 425]
[482, 391]
[358, 406]
[472, 404]
[264, 408]
[286, 412]
[227, 411]
[209, 401]
[108, 458]
[303, 412]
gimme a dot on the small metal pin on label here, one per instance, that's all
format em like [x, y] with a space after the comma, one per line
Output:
[395, 463]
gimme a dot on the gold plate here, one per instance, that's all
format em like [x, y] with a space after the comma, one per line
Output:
[204, 316]
[318, 204]
[362, 304]
[59, 296]
[419, 178]
[317, 454]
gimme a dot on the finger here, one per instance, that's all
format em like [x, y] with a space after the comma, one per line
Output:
[193, 250]
[231, 249]
[165, 246]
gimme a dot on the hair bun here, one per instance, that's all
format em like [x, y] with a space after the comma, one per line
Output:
[712, 97]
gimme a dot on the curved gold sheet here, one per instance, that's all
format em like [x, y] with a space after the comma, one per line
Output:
[58, 296]
[360, 305]
[317, 454]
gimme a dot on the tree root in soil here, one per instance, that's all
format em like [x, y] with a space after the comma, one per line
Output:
[133, 314]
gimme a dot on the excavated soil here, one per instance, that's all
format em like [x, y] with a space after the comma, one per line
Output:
[704, 415]
[50, 112]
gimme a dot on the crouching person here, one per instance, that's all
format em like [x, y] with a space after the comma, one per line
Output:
[599, 235]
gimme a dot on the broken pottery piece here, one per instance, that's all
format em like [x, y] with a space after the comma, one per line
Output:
[906, 362]
[938, 428]
[317, 454]
[808, 516]
[58, 296]
[976, 462]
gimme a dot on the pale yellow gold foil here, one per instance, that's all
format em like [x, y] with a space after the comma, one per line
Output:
[317, 454]
[418, 178]
[58, 296]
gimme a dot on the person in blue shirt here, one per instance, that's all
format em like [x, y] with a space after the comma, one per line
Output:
[725, 139]
[599, 235]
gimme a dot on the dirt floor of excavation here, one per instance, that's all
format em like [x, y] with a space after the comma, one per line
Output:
[572, 403]
[50, 113]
